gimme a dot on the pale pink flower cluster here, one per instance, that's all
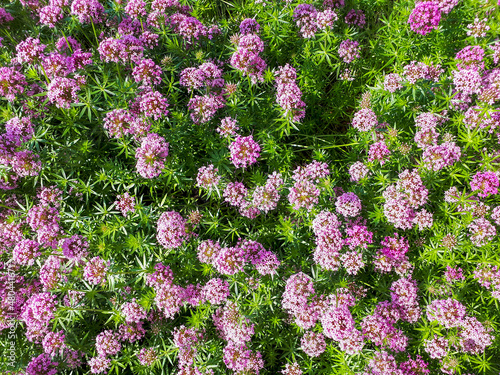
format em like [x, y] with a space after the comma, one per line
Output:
[472, 336]
[310, 20]
[329, 241]
[207, 177]
[169, 296]
[151, 155]
[481, 232]
[378, 151]
[348, 205]
[349, 50]
[246, 58]
[95, 271]
[488, 276]
[392, 82]
[304, 193]
[380, 327]
[237, 330]
[232, 260]
[415, 71]
[313, 343]
[364, 120]
[228, 127]
[485, 183]
[171, 230]
[244, 151]
[404, 198]
[441, 156]
[358, 171]
[187, 341]
[125, 203]
[288, 95]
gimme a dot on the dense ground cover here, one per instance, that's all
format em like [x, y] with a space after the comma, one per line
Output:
[249, 187]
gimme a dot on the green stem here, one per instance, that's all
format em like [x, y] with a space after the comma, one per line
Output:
[67, 42]
[95, 310]
[10, 208]
[95, 34]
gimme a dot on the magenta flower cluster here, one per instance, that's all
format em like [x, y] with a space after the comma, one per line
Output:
[425, 17]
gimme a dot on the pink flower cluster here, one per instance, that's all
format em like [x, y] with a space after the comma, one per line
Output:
[87, 11]
[329, 241]
[187, 340]
[332, 311]
[151, 155]
[392, 82]
[170, 297]
[383, 363]
[36, 313]
[364, 120]
[304, 193]
[122, 51]
[265, 198]
[485, 183]
[358, 171]
[244, 151]
[207, 177]
[42, 365]
[472, 336]
[288, 95]
[95, 271]
[415, 71]
[425, 17]
[171, 230]
[190, 28]
[63, 91]
[147, 73]
[228, 127]
[426, 136]
[125, 203]
[147, 356]
[393, 255]
[378, 151]
[237, 330]
[120, 122]
[348, 205]
[453, 274]
[204, 107]
[467, 81]
[75, 248]
[349, 50]
[470, 57]
[488, 276]
[441, 156]
[246, 58]
[479, 28]
[481, 232]
[380, 328]
[232, 260]
[249, 26]
[208, 76]
[44, 220]
[17, 161]
[356, 18]
[309, 20]
[403, 198]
